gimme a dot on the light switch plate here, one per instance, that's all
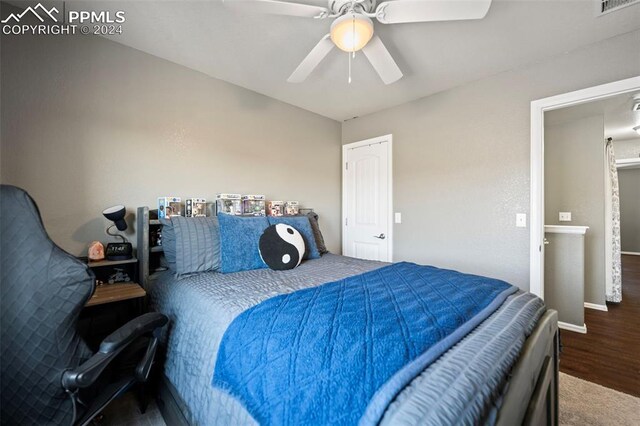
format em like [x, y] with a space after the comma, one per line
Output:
[398, 217]
[521, 220]
[564, 217]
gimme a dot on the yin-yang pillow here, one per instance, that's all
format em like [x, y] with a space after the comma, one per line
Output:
[281, 247]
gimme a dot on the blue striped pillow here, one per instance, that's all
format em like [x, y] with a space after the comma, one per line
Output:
[197, 244]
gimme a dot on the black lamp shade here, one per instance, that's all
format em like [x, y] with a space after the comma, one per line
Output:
[116, 215]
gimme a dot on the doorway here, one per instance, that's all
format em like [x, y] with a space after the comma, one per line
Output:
[367, 199]
[581, 138]
[538, 109]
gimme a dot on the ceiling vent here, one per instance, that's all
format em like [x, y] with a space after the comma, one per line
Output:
[606, 6]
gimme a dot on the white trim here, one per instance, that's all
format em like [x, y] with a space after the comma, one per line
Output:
[565, 229]
[538, 108]
[630, 253]
[627, 163]
[386, 138]
[596, 306]
[572, 327]
[608, 219]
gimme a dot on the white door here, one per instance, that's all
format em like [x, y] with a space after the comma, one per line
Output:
[367, 231]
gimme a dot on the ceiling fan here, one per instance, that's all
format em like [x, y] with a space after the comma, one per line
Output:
[352, 27]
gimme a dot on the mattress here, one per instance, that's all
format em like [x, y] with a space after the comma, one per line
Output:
[463, 386]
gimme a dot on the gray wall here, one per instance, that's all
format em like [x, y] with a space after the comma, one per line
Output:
[574, 182]
[461, 159]
[88, 123]
[564, 274]
[629, 180]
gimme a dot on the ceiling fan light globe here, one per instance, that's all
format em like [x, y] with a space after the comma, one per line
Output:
[351, 32]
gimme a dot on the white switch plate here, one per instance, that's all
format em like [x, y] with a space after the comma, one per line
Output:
[521, 220]
[398, 217]
[564, 217]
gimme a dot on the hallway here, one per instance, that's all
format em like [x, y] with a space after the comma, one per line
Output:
[609, 354]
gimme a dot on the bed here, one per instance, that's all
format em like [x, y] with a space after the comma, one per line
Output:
[502, 372]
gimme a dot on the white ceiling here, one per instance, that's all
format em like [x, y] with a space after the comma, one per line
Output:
[259, 52]
[619, 119]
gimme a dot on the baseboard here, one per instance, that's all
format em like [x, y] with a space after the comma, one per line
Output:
[572, 327]
[630, 253]
[596, 306]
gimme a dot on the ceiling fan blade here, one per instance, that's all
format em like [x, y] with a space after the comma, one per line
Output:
[273, 7]
[312, 60]
[382, 61]
[402, 11]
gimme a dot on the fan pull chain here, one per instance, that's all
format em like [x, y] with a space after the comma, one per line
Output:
[353, 42]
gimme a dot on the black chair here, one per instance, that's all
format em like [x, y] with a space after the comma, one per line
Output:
[48, 374]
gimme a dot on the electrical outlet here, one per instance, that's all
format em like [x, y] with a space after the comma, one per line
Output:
[564, 217]
[398, 217]
[521, 220]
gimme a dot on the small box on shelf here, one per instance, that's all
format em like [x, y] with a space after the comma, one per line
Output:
[229, 204]
[275, 208]
[169, 206]
[253, 205]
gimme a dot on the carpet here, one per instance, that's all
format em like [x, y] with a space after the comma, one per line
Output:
[584, 403]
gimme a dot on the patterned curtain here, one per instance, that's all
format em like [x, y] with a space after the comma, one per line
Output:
[614, 283]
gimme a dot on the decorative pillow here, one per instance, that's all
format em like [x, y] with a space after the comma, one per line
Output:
[281, 247]
[197, 244]
[239, 237]
[302, 224]
[169, 243]
[315, 227]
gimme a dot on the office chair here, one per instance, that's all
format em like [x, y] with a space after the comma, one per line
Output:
[48, 374]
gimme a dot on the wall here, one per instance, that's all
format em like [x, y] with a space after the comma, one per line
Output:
[626, 148]
[461, 159]
[574, 182]
[88, 123]
[564, 278]
[629, 181]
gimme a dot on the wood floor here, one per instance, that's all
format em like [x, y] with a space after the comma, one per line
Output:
[609, 354]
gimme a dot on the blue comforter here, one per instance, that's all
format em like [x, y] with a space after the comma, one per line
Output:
[288, 358]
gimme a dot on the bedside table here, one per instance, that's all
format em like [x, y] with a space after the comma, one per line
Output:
[111, 305]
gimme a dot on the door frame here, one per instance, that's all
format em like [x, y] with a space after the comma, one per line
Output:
[379, 139]
[538, 108]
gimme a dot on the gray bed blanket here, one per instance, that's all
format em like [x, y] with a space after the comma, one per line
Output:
[462, 387]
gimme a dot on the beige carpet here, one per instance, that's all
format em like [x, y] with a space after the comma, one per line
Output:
[584, 403]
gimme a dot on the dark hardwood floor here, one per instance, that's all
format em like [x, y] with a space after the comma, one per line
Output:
[609, 354]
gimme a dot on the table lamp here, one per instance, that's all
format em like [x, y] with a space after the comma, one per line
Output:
[123, 250]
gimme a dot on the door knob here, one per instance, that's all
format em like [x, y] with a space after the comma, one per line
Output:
[381, 236]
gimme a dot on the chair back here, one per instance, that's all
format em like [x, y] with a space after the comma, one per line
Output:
[43, 290]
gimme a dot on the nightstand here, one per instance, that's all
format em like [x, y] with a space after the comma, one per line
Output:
[111, 305]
